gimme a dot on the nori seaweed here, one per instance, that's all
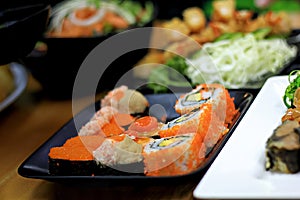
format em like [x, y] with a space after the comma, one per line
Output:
[61, 167]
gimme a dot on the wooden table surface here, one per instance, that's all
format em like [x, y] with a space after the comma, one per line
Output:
[26, 125]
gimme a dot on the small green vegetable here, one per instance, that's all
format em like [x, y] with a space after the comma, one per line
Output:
[171, 74]
[288, 97]
[177, 63]
[229, 36]
[262, 33]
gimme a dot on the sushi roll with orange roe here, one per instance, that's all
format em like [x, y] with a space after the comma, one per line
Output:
[175, 155]
[202, 121]
[75, 157]
[203, 94]
[107, 122]
[125, 100]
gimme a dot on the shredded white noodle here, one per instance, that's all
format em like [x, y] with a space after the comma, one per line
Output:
[240, 63]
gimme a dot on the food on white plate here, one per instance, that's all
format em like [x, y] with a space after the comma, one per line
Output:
[87, 18]
[283, 146]
[143, 145]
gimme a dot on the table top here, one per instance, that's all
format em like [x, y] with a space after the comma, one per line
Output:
[27, 124]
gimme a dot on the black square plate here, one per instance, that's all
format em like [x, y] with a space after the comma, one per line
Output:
[36, 165]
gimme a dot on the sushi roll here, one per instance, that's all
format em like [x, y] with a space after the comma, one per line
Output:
[120, 154]
[202, 121]
[203, 94]
[75, 157]
[146, 126]
[107, 122]
[174, 155]
[198, 97]
[125, 100]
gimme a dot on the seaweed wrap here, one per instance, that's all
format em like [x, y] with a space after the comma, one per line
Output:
[283, 148]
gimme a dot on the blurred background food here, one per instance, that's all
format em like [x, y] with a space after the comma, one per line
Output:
[223, 20]
[77, 18]
[75, 28]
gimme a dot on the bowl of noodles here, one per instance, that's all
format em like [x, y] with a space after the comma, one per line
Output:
[75, 28]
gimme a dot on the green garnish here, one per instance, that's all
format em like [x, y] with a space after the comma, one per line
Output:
[288, 97]
[170, 75]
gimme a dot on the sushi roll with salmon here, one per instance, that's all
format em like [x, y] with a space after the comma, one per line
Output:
[146, 126]
[175, 155]
[126, 100]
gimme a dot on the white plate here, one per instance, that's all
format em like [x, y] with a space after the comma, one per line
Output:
[239, 170]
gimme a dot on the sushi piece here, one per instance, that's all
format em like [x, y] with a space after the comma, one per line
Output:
[107, 122]
[75, 156]
[202, 121]
[146, 126]
[174, 155]
[283, 148]
[120, 154]
[203, 94]
[125, 100]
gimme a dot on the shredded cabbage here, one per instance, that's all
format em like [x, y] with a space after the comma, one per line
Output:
[244, 62]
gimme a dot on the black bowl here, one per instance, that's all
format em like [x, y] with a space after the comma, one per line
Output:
[20, 28]
[56, 68]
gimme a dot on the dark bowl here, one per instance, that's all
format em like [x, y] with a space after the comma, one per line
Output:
[56, 68]
[20, 28]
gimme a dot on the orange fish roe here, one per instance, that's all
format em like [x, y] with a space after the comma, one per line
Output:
[199, 124]
[78, 148]
[112, 128]
[231, 111]
[169, 132]
[117, 138]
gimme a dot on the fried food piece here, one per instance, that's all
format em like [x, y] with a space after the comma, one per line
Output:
[194, 18]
